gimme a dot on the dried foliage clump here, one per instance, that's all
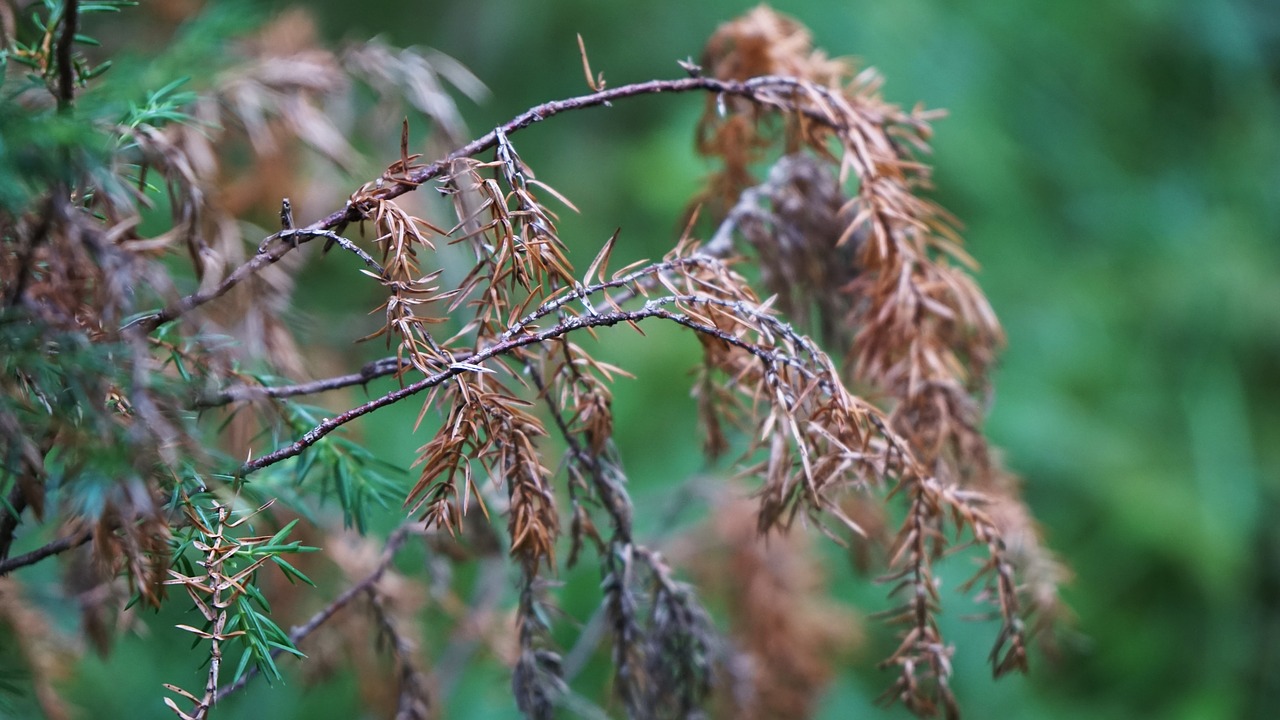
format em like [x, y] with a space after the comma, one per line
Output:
[852, 394]
[787, 632]
[880, 274]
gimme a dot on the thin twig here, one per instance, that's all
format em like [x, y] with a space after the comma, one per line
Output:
[749, 89]
[261, 259]
[394, 542]
[293, 235]
[57, 546]
[237, 393]
[652, 309]
[147, 323]
[618, 508]
[10, 517]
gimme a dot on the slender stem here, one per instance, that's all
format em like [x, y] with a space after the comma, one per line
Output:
[757, 90]
[371, 371]
[261, 260]
[751, 89]
[66, 63]
[57, 546]
[618, 508]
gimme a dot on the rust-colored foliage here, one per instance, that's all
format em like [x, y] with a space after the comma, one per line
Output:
[788, 634]
[856, 386]
[42, 651]
[394, 602]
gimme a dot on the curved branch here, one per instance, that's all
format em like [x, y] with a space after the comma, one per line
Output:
[652, 308]
[750, 89]
[237, 393]
[57, 546]
[755, 90]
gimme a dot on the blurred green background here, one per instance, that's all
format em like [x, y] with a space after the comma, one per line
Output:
[1117, 168]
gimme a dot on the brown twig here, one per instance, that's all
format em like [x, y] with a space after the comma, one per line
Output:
[292, 235]
[756, 90]
[147, 323]
[752, 89]
[57, 546]
[66, 63]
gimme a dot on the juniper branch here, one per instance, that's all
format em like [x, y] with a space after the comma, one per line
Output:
[654, 308]
[395, 541]
[237, 393]
[293, 235]
[755, 90]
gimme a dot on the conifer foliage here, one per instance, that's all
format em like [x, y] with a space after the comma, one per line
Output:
[154, 439]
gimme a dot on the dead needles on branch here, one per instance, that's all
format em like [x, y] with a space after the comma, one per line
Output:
[868, 288]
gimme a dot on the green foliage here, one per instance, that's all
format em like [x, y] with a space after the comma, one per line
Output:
[340, 468]
[38, 151]
[218, 567]
[60, 385]
[39, 53]
[162, 106]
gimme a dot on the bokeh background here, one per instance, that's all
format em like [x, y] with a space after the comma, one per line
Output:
[1117, 170]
